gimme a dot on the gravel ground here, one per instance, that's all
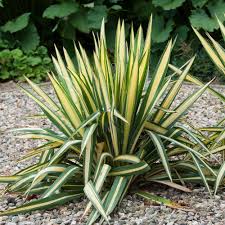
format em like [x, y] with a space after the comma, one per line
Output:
[14, 109]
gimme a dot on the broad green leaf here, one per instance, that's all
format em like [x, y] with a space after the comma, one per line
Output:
[216, 9]
[161, 29]
[95, 16]
[61, 10]
[200, 19]
[79, 21]
[29, 38]
[168, 4]
[16, 24]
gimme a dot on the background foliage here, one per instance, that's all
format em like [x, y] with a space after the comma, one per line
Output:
[15, 63]
[28, 23]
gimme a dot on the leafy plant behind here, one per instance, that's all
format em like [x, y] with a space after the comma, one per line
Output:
[71, 20]
[115, 129]
[15, 64]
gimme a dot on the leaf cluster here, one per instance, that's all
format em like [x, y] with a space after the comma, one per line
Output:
[15, 63]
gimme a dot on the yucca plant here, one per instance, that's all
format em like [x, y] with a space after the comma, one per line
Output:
[115, 130]
[217, 134]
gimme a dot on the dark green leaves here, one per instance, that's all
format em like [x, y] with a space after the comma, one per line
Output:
[16, 24]
[15, 64]
[200, 19]
[199, 3]
[61, 10]
[161, 29]
[29, 38]
[95, 16]
[79, 21]
[206, 18]
[168, 4]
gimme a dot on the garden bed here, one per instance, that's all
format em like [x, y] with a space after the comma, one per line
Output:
[14, 109]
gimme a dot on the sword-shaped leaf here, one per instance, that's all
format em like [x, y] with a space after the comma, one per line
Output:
[115, 194]
[93, 196]
[45, 203]
[162, 152]
[129, 170]
[87, 136]
[54, 169]
[173, 92]
[158, 199]
[61, 180]
[169, 120]
[220, 177]
[198, 165]
[63, 149]
[98, 184]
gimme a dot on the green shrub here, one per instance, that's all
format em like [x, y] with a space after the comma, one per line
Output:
[15, 64]
[72, 20]
[115, 129]
[60, 22]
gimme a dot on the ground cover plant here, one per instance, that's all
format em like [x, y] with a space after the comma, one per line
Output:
[15, 63]
[115, 130]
